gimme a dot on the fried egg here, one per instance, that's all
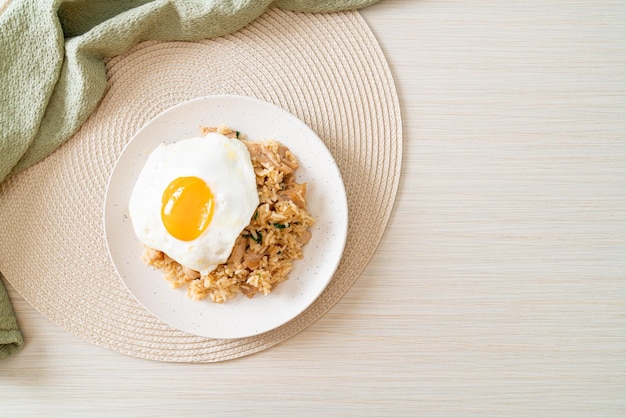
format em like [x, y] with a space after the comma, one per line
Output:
[193, 198]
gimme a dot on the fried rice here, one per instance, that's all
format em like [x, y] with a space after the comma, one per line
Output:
[264, 252]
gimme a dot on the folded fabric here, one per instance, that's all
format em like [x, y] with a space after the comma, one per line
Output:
[10, 336]
[52, 69]
[51, 57]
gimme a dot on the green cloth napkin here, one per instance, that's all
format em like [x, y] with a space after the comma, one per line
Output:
[10, 336]
[52, 72]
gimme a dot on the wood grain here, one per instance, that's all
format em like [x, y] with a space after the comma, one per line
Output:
[499, 288]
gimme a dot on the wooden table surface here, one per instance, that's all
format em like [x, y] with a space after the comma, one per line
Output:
[499, 288]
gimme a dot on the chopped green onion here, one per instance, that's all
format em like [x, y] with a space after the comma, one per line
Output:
[237, 134]
[256, 215]
[258, 238]
[281, 226]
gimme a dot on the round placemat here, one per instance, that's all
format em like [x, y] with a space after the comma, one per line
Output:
[327, 69]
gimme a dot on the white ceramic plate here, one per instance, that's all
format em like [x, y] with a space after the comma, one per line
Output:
[326, 197]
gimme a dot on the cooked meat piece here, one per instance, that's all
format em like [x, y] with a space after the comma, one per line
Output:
[305, 237]
[236, 257]
[248, 290]
[154, 255]
[251, 259]
[296, 193]
[261, 154]
[191, 274]
[282, 151]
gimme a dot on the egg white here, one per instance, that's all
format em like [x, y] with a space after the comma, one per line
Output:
[225, 166]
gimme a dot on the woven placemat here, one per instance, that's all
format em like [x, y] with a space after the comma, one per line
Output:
[325, 68]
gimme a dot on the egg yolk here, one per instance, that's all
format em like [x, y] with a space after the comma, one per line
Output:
[187, 207]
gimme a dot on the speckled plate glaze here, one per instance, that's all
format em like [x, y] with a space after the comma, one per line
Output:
[239, 317]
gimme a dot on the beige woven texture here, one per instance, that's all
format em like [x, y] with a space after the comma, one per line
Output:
[325, 68]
